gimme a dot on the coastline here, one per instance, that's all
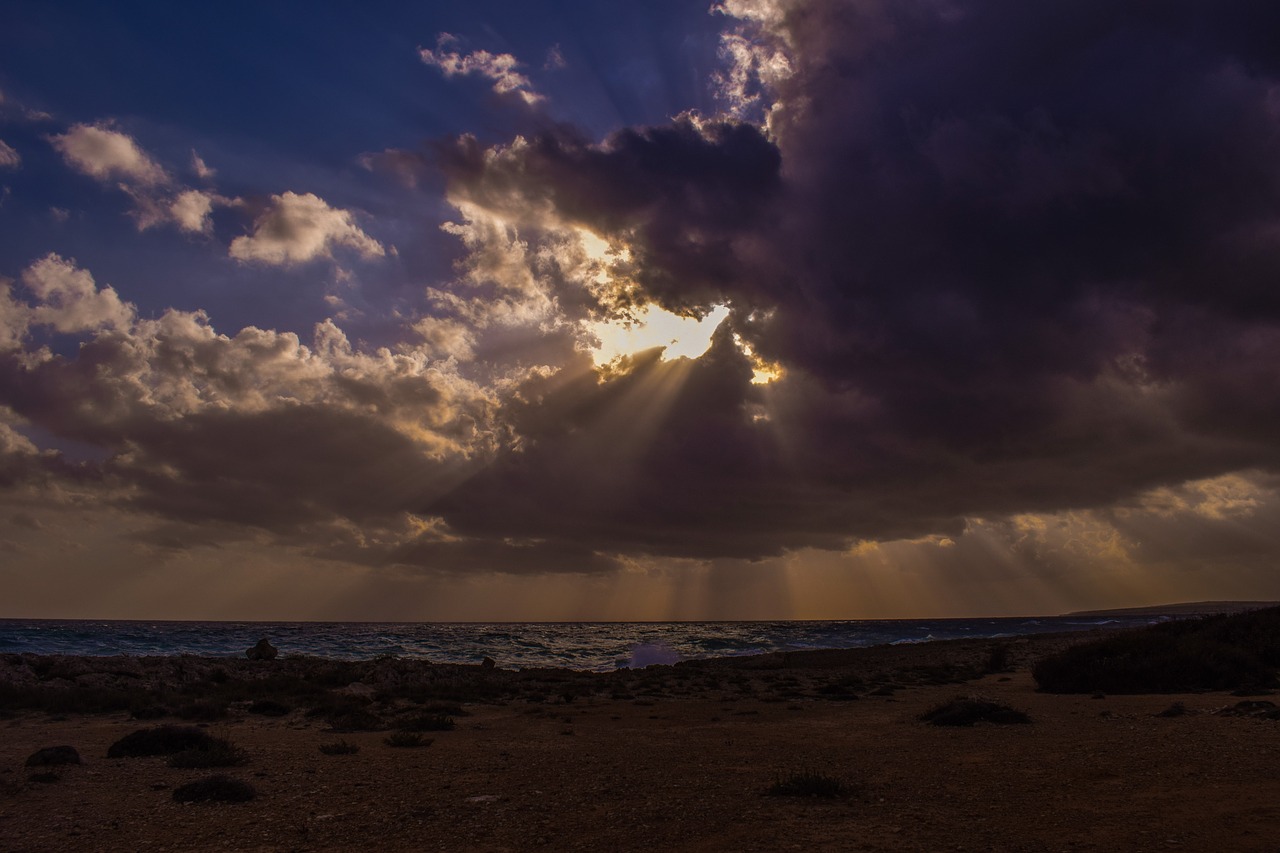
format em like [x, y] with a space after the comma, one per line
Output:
[675, 757]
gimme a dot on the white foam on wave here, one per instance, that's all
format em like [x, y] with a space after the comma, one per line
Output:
[652, 654]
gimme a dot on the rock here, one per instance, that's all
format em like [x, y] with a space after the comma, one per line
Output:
[53, 755]
[488, 663]
[358, 689]
[262, 651]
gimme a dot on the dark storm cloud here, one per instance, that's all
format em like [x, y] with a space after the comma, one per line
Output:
[680, 195]
[1007, 257]
[1011, 257]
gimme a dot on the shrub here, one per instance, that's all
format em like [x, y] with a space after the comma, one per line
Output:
[1240, 651]
[340, 747]
[221, 789]
[269, 708]
[205, 710]
[162, 740]
[149, 712]
[51, 756]
[807, 783]
[356, 720]
[966, 712]
[406, 740]
[428, 723]
[216, 753]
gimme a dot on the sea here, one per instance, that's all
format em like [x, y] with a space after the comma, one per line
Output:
[588, 646]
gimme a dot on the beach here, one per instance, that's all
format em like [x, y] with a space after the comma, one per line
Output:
[668, 757]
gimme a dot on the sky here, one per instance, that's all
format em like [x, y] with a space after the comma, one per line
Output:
[486, 311]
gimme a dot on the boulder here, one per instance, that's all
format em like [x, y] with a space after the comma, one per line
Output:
[262, 651]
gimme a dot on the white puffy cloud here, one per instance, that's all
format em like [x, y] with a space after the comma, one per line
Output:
[191, 209]
[8, 157]
[106, 154]
[69, 300]
[297, 228]
[113, 157]
[498, 67]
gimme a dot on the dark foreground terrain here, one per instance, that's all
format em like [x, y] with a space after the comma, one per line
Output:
[808, 751]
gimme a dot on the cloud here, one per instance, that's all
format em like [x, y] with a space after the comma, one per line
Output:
[300, 228]
[254, 432]
[68, 300]
[113, 157]
[497, 67]
[201, 170]
[1015, 267]
[985, 296]
[9, 158]
[191, 211]
[106, 154]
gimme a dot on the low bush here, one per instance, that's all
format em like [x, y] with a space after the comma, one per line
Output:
[220, 789]
[269, 708]
[428, 723]
[216, 753]
[406, 740]
[1241, 651]
[51, 756]
[162, 740]
[204, 710]
[807, 783]
[340, 747]
[967, 711]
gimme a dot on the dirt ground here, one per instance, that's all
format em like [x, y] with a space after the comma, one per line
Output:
[685, 772]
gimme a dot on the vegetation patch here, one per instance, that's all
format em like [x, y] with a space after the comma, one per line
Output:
[340, 747]
[215, 789]
[204, 710]
[968, 711]
[52, 756]
[406, 740]
[1240, 651]
[428, 723]
[162, 740]
[217, 752]
[807, 783]
[269, 708]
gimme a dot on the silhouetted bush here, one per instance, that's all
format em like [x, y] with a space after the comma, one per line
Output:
[51, 756]
[204, 710]
[162, 740]
[966, 712]
[216, 752]
[340, 747]
[406, 740]
[1213, 653]
[356, 720]
[807, 783]
[1177, 709]
[221, 789]
[150, 712]
[428, 723]
[269, 708]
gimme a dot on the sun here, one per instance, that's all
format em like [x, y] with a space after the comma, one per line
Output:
[683, 337]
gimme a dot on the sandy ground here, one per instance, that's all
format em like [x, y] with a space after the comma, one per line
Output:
[687, 769]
